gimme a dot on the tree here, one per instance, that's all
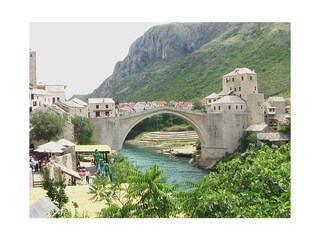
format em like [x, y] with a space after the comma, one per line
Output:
[55, 188]
[46, 125]
[197, 104]
[254, 185]
[83, 130]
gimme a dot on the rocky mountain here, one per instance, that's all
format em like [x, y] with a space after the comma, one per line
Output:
[182, 61]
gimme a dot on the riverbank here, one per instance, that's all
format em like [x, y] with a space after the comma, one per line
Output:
[175, 144]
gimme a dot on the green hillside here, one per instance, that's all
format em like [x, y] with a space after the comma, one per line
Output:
[262, 47]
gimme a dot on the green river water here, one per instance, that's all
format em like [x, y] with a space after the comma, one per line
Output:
[176, 170]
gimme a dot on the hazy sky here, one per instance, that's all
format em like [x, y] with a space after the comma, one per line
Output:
[81, 55]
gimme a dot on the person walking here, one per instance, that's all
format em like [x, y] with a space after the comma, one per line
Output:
[87, 176]
[96, 156]
[107, 171]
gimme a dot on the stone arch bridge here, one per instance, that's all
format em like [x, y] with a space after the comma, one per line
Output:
[219, 132]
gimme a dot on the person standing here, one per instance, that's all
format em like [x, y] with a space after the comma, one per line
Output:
[107, 171]
[96, 156]
[87, 176]
[101, 165]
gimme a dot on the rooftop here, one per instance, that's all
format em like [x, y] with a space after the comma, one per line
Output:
[40, 92]
[273, 136]
[100, 100]
[240, 71]
[276, 99]
[78, 101]
[229, 99]
[256, 127]
[213, 95]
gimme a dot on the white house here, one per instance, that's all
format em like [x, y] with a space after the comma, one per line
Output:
[57, 91]
[101, 107]
[40, 98]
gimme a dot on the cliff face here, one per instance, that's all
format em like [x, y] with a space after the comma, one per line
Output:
[172, 53]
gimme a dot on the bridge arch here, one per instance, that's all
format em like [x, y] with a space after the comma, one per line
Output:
[195, 119]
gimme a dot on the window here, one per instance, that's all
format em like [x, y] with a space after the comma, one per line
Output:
[242, 78]
[219, 107]
[32, 96]
[34, 103]
[80, 110]
[107, 106]
[53, 100]
[97, 114]
[107, 113]
[241, 106]
[250, 77]
[97, 106]
[214, 108]
[239, 88]
[230, 88]
[235, 89]
[58, 99]
[255, 88]
[237, 107]
[30, 54]
[209, 100]
[229, 107]
[233, 79]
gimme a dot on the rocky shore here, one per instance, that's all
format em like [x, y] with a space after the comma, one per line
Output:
[174, 144]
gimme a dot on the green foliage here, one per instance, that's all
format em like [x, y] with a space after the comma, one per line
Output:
[248, 140]
[257, 185]
[198, 105]
[138, 195]
[83, 130]
[55, 188]
[283, 129]
[46, 125]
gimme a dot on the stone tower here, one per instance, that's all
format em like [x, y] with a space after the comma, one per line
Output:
[32, 69]
[243, 83]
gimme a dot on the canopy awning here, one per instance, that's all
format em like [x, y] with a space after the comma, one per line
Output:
[92, 148]
[50, 147]
[69, 171]
[43, 208]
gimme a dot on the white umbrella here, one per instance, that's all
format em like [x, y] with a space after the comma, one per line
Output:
[51, 147]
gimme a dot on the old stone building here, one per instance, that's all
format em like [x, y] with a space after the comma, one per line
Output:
[74, 107]
[32, 69]
[101, 107]
[239, 93]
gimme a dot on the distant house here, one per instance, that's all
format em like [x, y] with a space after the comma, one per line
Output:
[57, 91]
[275, 138]
[141, 106]
[75, 107]
[209, 100]
[276, 112]
[101, 107]
[40, 98]
[184, 105]
[159, 103]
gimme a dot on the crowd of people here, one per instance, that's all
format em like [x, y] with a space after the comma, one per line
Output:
[38, 164]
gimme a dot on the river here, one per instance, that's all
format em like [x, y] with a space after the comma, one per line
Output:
[176, 170]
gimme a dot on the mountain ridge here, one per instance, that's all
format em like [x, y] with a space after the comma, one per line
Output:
[182, 61]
